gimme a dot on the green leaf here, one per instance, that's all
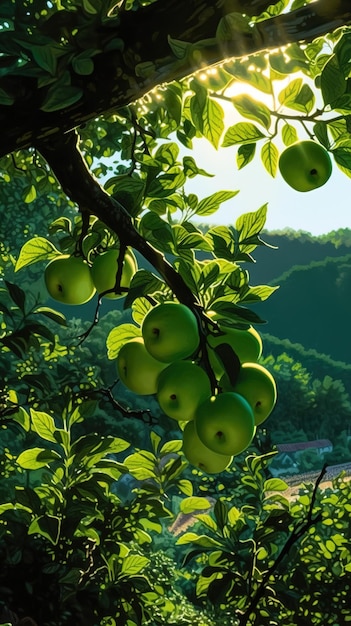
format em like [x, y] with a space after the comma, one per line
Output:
[252, 109]
[258, 293]
[227, 309]
[144, 283]
[320, 129]
[171, 447]
[142, 465]
[185, 486]
[194, 503]
[242, 133]
[29, 194]
[165, 184]
[200, 540]
[297, 96]
[191, 168]
[118, 336]
[245, 154]
[22, 417]
[270, 156]
[179, 48]
[305, 100]
[60, 224]
[47, 526]
[212, 122]
[28, 498]
[255, 79]
[275, 484]
[61, 97]
[172, 98]
[83, 66]
[46, 57]
[140, 307]
[34, 250]
[83, 411]
[36, 458]
[53, 315]
[342, 158]
[43, 424]
[17, 294]
[133, 564]
[289, 134]
[211, 204]
[252, 223]
[155, 441]
[198, 103]
[333, 83]
[221, 513]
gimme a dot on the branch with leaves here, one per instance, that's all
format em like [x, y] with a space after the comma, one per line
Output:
[301, 528]
[69, 78]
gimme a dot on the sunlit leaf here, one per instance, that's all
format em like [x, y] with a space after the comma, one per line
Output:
[211, 204]
[118, 336]
[43, 424]
[194, 503]
[34, 250]
[242, 133]
[36, 458]
[269, 156]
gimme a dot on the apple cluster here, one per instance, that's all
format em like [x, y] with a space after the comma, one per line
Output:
[215, 426]
[71, 280]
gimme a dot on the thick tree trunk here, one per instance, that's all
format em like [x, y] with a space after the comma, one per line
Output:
[118, 79]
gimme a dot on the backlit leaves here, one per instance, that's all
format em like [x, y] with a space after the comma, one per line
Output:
[118, 336]
[241, 133]
[252, 109]
[34, 250]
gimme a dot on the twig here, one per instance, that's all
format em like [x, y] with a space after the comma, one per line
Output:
[106, 392]
[300, 529]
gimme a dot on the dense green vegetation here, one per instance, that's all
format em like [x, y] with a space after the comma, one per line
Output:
[103, 521]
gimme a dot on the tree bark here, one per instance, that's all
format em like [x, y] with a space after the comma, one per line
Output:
[117, 79]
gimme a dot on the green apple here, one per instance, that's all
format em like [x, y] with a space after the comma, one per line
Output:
[225, 423]
[170, 332]
[247, 344]
[181, 387]
[199, 455]
[104, 270]
[305, 165]
[68, 280]
[258, 386]
[137, 369]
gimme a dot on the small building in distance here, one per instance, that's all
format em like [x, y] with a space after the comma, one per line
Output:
[286, 461]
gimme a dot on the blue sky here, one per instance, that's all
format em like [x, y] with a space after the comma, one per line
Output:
[317, 212]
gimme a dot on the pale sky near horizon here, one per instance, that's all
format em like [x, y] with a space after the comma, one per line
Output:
[317, 212]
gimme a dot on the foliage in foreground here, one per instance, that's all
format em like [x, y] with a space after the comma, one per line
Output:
[84, 514]
[73, 549]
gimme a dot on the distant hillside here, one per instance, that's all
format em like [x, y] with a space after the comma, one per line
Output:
[295, 248]
[320, 364]
[292, 248]
[313, 307]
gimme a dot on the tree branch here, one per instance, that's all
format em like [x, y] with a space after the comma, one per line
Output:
[64, 157]
[117, 79]
[300, 529]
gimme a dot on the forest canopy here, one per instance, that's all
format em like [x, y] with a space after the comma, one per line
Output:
[103, 519]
